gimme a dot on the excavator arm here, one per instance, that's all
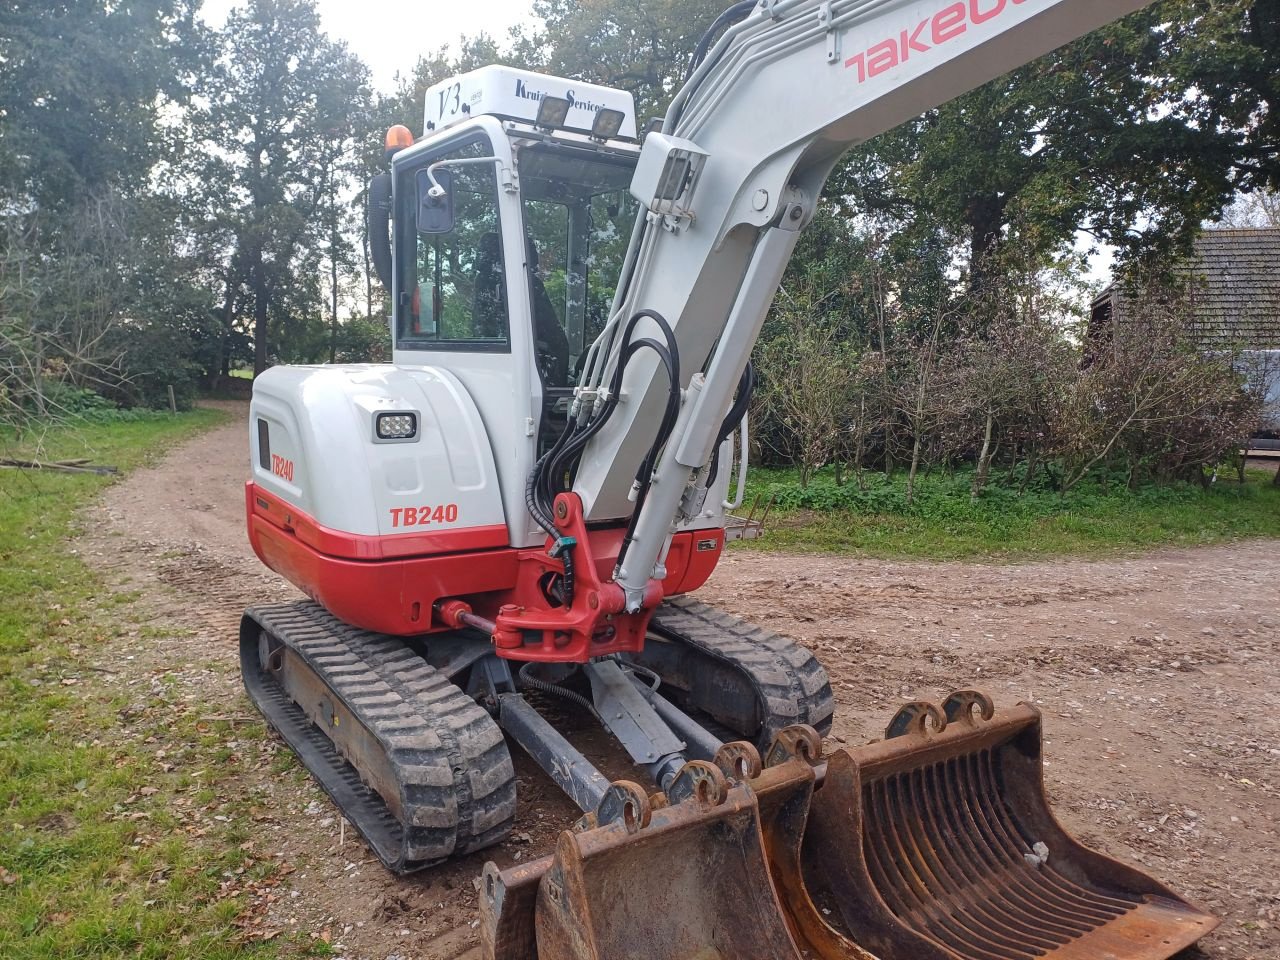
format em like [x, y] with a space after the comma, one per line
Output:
[936, 843]
[727, 186]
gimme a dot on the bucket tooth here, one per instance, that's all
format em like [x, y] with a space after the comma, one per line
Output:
[684, 881]
[938, 843]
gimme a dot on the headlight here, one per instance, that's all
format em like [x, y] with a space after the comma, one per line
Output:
[396, 426]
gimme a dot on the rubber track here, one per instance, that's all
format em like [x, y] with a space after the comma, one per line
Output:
[792, 686]
[457, 782]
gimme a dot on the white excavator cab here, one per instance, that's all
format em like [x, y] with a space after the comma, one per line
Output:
[509, 239]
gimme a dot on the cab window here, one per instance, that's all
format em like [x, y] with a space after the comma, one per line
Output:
[578, 214]
[452, 288]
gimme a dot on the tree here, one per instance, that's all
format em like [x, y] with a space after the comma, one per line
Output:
[641, 47]
[806, 379]
[1105, 135]
[279, 121]
[88, 93]
[1259, 210]
[83, 90]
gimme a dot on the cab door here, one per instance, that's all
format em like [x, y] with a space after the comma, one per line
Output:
[461, 302]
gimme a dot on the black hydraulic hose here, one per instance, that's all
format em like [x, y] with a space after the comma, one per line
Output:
[539, 488]
[567, 582]
[527, 679]
[644, 477]
[746, 387]
[562, 460]
[531, 496]
[735, 14]
[542, 514]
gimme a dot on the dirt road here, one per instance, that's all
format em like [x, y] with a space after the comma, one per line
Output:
[1158, 676]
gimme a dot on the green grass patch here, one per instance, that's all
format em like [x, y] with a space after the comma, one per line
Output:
[943, 523]
[108, 847]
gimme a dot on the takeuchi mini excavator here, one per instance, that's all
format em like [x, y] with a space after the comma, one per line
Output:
[515, 514]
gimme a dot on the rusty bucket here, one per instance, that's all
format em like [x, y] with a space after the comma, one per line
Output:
[645, 881]
[784, 785]
[938, 843]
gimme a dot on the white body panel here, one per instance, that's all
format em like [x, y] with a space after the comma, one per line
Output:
[515, 95]
[321, 423]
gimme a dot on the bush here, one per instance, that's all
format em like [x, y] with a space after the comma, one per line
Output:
[153, 358]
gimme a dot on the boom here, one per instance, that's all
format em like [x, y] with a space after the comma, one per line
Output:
[422, 507]
[744, 152]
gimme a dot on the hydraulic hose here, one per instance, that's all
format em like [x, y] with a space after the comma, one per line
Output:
[746, 387]
[540, 487]
[527, 679]
[735, 14]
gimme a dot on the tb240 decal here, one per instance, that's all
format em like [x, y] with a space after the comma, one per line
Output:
[423, 516]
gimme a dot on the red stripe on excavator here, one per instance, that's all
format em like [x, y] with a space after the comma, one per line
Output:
[392, 586]
[389, 596]
[355, 546]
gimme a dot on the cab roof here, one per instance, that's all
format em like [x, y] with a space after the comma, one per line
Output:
[516, 94]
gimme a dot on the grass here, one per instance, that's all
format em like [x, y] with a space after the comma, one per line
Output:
[944, 524]
[107, 848]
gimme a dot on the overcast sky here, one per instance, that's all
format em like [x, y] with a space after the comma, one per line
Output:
[390, 35]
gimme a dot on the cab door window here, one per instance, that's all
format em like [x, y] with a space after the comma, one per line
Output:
[452, 292]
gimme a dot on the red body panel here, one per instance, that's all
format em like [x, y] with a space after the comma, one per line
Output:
[355, 546]
[393, 583]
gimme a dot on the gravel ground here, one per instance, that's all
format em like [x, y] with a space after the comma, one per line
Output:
[1157, 675]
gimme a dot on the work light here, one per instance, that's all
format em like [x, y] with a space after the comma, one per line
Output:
[553, 112]
[607, 123]
[396, 426]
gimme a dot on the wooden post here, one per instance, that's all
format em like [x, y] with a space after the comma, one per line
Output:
[173, 401]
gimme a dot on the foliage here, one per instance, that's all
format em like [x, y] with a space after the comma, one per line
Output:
[645, 48]
[855, 373]
[1112, 134]
[942, 521]
[176, 200]
[363, 340]
[83, 88]
[281, 123]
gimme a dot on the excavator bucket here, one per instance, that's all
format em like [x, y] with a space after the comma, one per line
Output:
[686, 881]
[937, 843]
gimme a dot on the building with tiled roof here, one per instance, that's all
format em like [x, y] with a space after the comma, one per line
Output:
[1234, 291]
[1234, 288]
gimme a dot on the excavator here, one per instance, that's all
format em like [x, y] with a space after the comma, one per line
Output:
[505, 527]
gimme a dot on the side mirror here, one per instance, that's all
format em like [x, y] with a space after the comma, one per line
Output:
[379, 226]
[435, 200]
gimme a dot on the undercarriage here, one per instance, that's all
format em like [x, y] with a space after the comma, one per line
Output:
[936, 843]
[407, 735]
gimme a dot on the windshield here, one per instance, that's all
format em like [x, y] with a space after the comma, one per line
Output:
[578, 214]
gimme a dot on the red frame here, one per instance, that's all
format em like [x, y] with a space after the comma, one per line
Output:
[395, 583]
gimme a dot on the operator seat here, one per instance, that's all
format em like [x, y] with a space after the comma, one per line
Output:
[553, 345]
[488, 300]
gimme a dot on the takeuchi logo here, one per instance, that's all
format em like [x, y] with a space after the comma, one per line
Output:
[947, 24]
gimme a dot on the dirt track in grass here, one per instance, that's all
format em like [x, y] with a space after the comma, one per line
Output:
[1157, 674]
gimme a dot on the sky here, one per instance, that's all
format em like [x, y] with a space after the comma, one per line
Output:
[390, 35]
